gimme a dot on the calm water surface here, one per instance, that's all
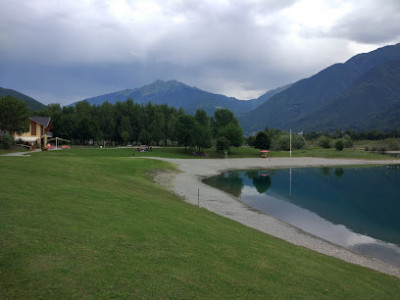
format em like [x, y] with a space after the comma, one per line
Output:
[357, 208]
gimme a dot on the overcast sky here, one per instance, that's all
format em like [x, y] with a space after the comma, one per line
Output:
[64, 51]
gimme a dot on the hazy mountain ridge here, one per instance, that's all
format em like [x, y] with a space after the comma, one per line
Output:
[177, 94]
[290, 108]
[366, 99]
[31, 103]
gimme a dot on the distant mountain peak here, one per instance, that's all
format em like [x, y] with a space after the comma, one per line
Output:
[168, 84]
[178, 94]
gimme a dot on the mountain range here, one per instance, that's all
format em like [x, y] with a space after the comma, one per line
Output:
[31, 103]
[178, 94]
[362, 93]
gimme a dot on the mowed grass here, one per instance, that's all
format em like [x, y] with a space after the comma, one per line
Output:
[241, 152]
[80, 226]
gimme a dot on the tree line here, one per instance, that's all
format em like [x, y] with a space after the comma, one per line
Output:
[127, 122]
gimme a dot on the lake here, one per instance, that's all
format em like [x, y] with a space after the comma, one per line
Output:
[354, 207]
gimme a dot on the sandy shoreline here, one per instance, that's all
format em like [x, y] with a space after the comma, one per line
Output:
[187, 182]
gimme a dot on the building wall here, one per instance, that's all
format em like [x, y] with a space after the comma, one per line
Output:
[29, 133]
[39, 133]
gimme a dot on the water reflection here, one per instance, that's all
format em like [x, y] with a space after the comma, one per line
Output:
[230, 182]
[339, 172]
[353, 207]
[326, 171]
[261, 180]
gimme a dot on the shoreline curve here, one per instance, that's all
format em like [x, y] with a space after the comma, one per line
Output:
[187, 182]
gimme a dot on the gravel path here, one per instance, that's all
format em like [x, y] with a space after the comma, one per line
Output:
[187, 182]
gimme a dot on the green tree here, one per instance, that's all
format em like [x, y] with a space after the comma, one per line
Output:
[202, 137]
[157, 124]
[125, 136]
[87, 128]
[224, 124]
[53, 111]
[339, 145]
[68, 124]
[202, 118]
[282, 142]
[250, 140]
[106, 120]
[170, 115]
[273, 133]
[126, 128]
[347, 142]
[144, 137]
[13, 115]
[324, 142]
[222, 144]
[202, 134]
[298, 141]
[222, 117]
[185, 130]
[262, 140]
[233, 133]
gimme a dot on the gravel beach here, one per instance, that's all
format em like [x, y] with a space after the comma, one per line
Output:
[187, 181]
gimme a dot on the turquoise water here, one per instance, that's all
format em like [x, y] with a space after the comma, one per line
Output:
[355, 207]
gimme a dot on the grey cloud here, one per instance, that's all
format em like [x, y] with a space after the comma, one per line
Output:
[371, 22]
[82, 50]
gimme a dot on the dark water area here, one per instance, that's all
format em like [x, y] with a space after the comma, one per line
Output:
[354, 207]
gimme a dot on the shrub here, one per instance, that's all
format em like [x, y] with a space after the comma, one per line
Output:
[339, 145]
[298, 141]
[347, 142]
[250, 141]
[7, 141]
[283, 143]
[393, 145]
[222, 144]
[324, 142]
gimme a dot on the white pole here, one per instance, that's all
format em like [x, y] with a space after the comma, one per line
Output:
[290, 181]
[290, 146]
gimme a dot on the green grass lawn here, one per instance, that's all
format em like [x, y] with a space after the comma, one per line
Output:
[91, 224]
[241, 152]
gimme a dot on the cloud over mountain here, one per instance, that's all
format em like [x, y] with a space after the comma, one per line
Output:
[65, 51]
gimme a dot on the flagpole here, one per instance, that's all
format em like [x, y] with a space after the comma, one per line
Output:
[290, 144]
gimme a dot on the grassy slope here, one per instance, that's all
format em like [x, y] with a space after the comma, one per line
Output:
[83, 224]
